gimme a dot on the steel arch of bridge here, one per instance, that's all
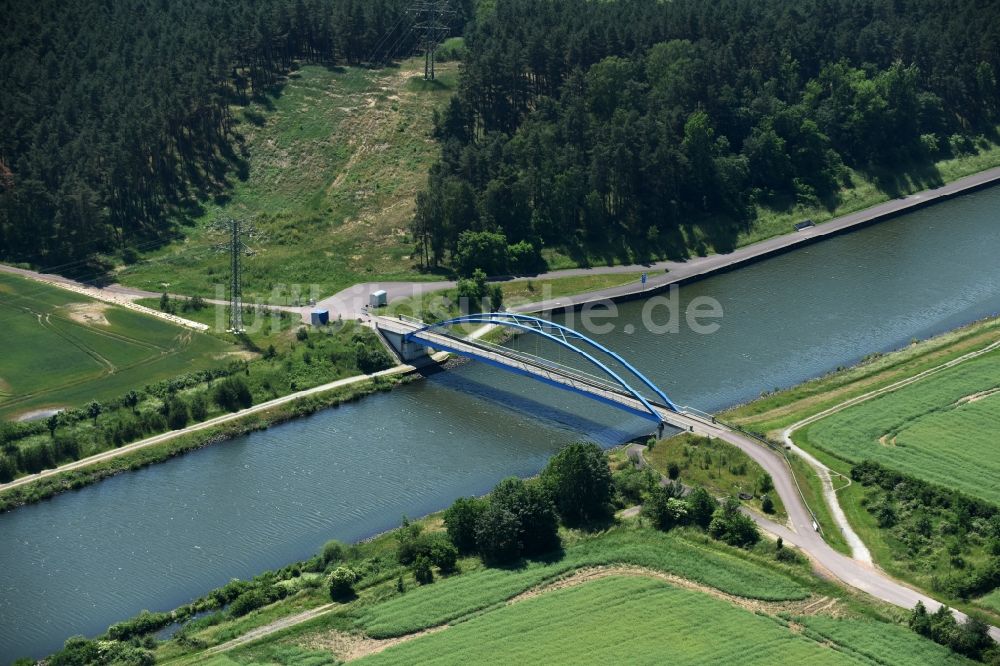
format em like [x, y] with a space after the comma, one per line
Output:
[567, 338]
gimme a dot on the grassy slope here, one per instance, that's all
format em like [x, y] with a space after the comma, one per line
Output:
[643, 621]
[460, 596]
[442, 304]
[715, 465]
[938, 429]
[54, 360]
[335, 161]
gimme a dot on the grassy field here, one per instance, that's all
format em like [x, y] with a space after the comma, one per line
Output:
[460, 596]
[335, 161]
[942, 429]
[933, 441]
[62, 349]
[721, 468]
[637, 620]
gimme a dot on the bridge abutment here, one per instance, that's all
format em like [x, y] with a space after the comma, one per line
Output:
[406, 350]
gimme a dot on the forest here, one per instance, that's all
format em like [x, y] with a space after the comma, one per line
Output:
[620, 130]
[630, 129]
[116, 116]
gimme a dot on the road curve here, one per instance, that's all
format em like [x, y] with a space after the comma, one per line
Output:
[802, 534]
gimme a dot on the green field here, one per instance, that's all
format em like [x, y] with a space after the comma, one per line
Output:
[460, 596]
[334, 163]
[62, 349]
[942, 429]
[643, 621]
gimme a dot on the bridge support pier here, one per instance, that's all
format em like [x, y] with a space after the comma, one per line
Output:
[406, 350]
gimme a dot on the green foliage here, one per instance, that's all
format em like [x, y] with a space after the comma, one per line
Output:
[460, 520]
[767, 504]
[945, 536]
[534, 511]
[729, 524]
[177, 413]
[232, 394]
[422, 572]
[341, 583]
[579, 482]
[333, 552]
[970, 638]
[626, 147]
[372, 358]
[632, 485]
[701, 507]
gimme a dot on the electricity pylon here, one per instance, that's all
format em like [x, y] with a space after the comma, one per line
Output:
[431, 19]
[236, 230]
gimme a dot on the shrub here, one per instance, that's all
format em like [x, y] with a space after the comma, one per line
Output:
[333, 551]
[422, 571]
[460, 522]
[341, 584]
[767, 504]
[701, 507]
[673, 471]
[177, 413]
[372, 357]
[199, 407]
[664, 510]
[444, 555]
[729, 524]
[232, 393]
[534, 510]
[498, 535]
[580, 483]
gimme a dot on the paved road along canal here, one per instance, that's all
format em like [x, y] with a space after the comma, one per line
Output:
[161, 536]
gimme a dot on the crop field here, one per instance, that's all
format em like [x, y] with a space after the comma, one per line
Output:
[640, 621]
[942, 429]
[459, 596]
[334, 161]
[63, 349]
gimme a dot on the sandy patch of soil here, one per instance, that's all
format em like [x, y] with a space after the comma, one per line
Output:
[348, 647]
[88, 314]
[976, 397]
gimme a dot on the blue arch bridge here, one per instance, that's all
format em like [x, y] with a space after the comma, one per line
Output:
[607, 378]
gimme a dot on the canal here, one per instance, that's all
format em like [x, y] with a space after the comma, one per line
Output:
[161, 536]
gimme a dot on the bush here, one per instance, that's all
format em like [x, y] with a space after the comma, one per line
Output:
[632, 485]
[580, 483]
[199, 407]
[177, 413]
[333, 551]
[422, 571]
[535, 512]
[484, 250]
[665, 510]
[767, 504]
[372, 357]
[729, 524]
[498, 535]
[444, 555]
[341, 584]
[460, 522]
[232, 394]
[673, 471]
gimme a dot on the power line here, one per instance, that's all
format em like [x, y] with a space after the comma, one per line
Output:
[431, 19]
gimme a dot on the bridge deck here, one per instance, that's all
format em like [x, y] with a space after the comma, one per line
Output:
[561, 376]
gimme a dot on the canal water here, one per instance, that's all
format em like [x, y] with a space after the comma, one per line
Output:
[158, 537]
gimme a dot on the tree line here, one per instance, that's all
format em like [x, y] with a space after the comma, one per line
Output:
[116, 117]
[631, 129]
